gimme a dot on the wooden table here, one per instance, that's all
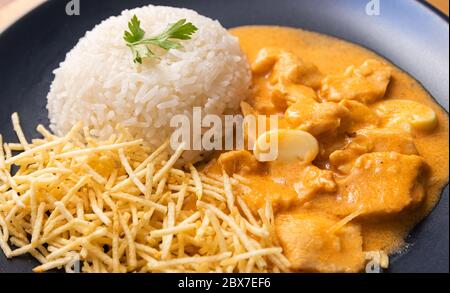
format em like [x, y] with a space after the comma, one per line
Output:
[11, 10]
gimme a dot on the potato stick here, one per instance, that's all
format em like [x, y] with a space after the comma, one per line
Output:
[160, 188]
[33, 203]
[99, 149]
[104, 218]
[16, 147]
[37, 149]
[34, 252]
[76, 243]
[202, 229]
[130, 172]
[216, 225]
[4, 246]
[177, 173]
[131, 247]
[107, 199]
[11, 181]
[192, 218]
[207, 186]
[336, 227]
[80, 210]
[44, 132]
[111, 180]
[255, 230]
[4, 228]
[180, 200]
[53, 264]
[16, 198]
[209, 193]
[149, 180]
[211, 181]
[98, 253]
[252, 254]
[97, 177]
[167, 239]
[245, 209]
[197, 181]
[66, 198]
[38, 224]
[153, 156]
[173, 159]
[228, 191]
[250, 265]
[242, 236]
[188, 260]
[241, 179]
[139, 200]
[124, 183]
[51, 223]
[63, 210]
[19, 132]
[50, 170]
[173, 230]
[8, 153]
[115, 241]
[134, 215]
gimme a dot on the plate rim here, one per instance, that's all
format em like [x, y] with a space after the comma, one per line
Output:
[422, 3]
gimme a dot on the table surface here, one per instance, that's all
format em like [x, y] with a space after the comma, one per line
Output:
[11, 10]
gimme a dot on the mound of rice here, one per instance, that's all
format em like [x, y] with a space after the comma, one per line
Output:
[99, 84]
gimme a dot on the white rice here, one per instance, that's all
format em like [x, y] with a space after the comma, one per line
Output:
[99, 84]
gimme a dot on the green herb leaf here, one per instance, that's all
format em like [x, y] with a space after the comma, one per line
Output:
[181, 30]
[136, 33]
[139, 52]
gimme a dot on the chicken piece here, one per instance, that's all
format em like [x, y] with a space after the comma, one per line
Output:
[291, 69]
[359, 116]
[384, 183]
[366, 84]
[240, 161]
[283, 97]
[281, 78]
[286, 67]
[311, 246]
[315, 118]
[265, 60]
[314, 181]
[372, 140]
[265, 106]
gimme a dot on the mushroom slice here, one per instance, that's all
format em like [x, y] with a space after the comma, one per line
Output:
[286, 145]
[406, 114]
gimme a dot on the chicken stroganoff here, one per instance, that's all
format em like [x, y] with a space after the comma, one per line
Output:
[380, 162]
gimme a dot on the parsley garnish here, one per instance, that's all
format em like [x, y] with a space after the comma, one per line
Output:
[181, 30]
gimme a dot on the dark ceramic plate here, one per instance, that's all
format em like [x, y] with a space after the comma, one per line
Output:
[407, 32]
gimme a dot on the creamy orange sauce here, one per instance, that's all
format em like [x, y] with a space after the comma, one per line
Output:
[423, 158]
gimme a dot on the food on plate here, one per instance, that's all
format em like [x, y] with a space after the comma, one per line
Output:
[407, 114]
[311, 244]
[117, 206]
[361, 153]
[168, 39]
[382, 149]
[99, 84]
[291, 145]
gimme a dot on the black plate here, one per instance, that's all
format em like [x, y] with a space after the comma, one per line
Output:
[409, 33]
